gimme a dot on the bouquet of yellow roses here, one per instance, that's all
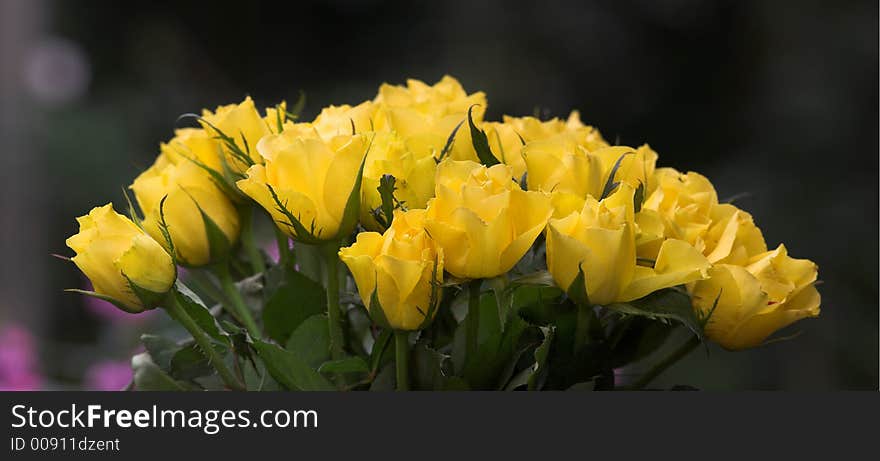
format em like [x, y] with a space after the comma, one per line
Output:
[422, 247]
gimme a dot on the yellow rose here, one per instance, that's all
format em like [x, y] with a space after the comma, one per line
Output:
[123, 263]
[340, 120]
[567, 170]
[443, 98]
[601, 242]
[770, 293]
[401, 264]
[481, 218]
[684, 202]
[636, 165]
[193, 204]
[244, 125]
[733, 237]
[431, 113]
[312, 180]
[413, 171]
[506, 138]
[193, 144]
[588, 136]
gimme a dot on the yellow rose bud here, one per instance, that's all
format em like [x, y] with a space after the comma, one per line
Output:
[753, 301]
[562, 167]
[193, 202]
[401, 264]
[120, 259]
[312, 180]
[413, 171]
[481, 218]
[600, 240]
[684, 202]
[243, 123]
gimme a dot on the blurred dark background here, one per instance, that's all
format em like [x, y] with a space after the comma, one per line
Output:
[776, 99]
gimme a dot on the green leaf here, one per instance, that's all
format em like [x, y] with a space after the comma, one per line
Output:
[379, 348]
[257, 378]
[572, 360]
[224, 180]
[577, 291]
[385, 380]
[633, 338]
[161, 350]
[377, 313]
[669, 304]
[119, 305]
[353, 205]
[219, 245]
[237, 153]
[639, 197]
[520, 379]
[196, 309]
[298, 106]
[434, 299]
[498, 344]
[346, 365]
[279, 118]
[294, 299]
[389, 203]
[149, 377]
[190, 363]
[299, 230]
[610, 184]
[311, 341]
[480, 142]
[430, 368]
[289, 369]
[449, 142]
[537, 305]
[148, 298]
[163, 228]
[132, 213]
[542, 353]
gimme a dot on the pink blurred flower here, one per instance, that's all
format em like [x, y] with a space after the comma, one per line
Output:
[18, 360]
[271, 250]
[108, 375]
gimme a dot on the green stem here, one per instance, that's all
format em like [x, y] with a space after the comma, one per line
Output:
[247, 239]
[238, 305]
[401, 358]
[667, 362]
[473, 318]
[172, 305]
[582, 327]
[334, 322]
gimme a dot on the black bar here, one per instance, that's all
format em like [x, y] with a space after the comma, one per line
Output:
[466, 425]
